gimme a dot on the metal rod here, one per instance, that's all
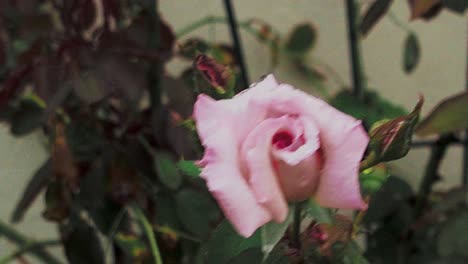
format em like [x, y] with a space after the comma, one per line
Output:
[354, 49]
[429, 143]
[465, 145]
[237, 43]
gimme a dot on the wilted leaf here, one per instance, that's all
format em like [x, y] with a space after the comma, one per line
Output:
[411, 53]
[225, 243]
[64, 166]
[420, 8]
[450, 115]
[167, 170]
[39, 180]
[58, 202]
[197, 211]
[302, 39]
[373, 14]
[391, 139]
[271, 233]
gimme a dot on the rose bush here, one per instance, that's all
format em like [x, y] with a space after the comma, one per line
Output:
[272, 144]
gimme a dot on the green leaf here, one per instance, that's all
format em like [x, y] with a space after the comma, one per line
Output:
[249, 256]
[450, 115]
[411, 53]
[167, 170]
[371, 110]
[189, 168]
[197, 211]
[39, 180]
[272, 233]
[302, 39]
[318, 213]
[226, 243]
[373, 14]
[452, 240]
[27, 117]
[391, 140]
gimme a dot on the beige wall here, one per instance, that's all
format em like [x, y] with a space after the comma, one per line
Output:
[440, 73]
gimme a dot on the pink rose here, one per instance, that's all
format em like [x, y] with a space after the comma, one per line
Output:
[272, 144]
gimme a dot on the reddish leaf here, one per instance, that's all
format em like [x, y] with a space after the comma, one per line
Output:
[64, 167]
[58, 202]
[218, 75]
[424, 8]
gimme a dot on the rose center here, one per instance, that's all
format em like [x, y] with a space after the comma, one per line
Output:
[282, 139]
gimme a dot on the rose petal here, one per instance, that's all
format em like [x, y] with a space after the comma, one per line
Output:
[229, 187]
[339, 182]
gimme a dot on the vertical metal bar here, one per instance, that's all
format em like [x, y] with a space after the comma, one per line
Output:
[237, 42]
[354, 49]
[465, 143]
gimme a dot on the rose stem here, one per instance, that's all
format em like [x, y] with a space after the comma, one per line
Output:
[357, 71]
[297, 225]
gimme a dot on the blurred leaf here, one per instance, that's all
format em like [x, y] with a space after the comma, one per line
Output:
[411, 53]
[197, 211]
[450, 115]
[391, 139]
[180, 98]
[272, 233]
[373, 109]
[132, 245]
[167, 170]
[248, 256]
[189, 168]
[28, 117]
[38, 181]
[319, 214]
[348, 253]
[391, 196]
[420, 8]
[81, 243]
[458, 6]
[373, 14]
[64, 166]
[302, 39]
[166, 211]
[225, 243]
[452, 240]
[373, 178]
